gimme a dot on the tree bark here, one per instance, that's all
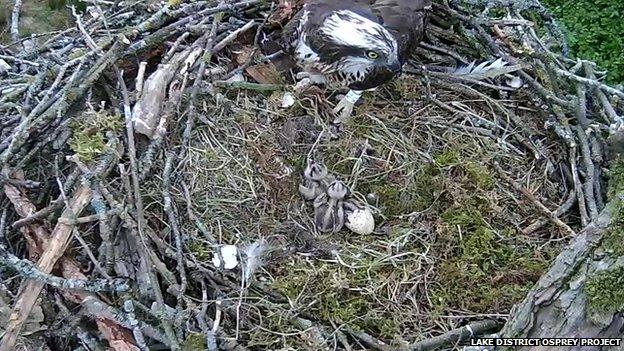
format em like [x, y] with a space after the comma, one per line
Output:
[557, 304]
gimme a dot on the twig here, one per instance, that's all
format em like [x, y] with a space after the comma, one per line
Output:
[534, 200]
[31, 289]
[173, 223]
[141, 224]
[590, 82]
[15, 20]
[28, 270]
[457, 336]
[565, 207]
[248, 86]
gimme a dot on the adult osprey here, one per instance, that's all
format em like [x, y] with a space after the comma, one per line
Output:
[355, 44]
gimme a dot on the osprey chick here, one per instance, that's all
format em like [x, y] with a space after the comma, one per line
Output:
[355, 44]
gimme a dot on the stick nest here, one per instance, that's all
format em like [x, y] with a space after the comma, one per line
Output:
[139, 144]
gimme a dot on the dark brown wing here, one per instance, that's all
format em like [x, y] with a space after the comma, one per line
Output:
[406, 19]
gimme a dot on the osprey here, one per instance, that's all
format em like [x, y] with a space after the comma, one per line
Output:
[355, 44]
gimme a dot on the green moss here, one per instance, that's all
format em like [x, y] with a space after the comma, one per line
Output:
[613, 239]
[480, 175]
[88, 139]
[201, 252]
[194, 342]
[299, 162]
[449, 157]
[414, 194]
[604, 291]
[88, 146]
[77, 53]
[616, 181]
[343, 295]
[482, 270]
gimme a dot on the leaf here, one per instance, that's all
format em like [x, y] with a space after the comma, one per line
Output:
[263, 73]
[284, 11]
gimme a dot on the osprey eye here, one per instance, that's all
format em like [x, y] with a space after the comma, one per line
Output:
[372, 55]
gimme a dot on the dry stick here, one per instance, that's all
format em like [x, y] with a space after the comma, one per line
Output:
[590, 82]
[31, 289]
[57, 204]
[581, 115]
[28, 270]
[565, 207]
[232, 36]
[141, 224]
[458, 335]
[609, 111]
[578, 187]
[173, 223]
[15, 20]
[590, 197]
[174, 47]
[534, 200]
[190, 121]
[249, 86]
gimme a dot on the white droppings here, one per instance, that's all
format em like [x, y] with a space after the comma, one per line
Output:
[288, 100]
[229, 254]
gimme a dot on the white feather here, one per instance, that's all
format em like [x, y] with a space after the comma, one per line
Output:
[485, 70]
[253, 257]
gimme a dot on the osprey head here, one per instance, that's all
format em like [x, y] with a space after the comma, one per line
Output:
[359, 50]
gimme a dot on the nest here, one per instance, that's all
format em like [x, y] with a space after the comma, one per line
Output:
[150, 172]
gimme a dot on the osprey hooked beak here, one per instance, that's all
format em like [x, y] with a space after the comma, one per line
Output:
[395, 67]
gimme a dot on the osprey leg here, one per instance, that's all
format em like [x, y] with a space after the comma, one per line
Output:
[344, 108]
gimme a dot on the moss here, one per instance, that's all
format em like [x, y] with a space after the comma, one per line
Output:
[604, 291]
[200, 251]
[616, 181]
[405, 196]
[483, 269]
[88, 146]
[342, 296]
[449, 157]
[77, 53]
[613, 239]
[479, 175]
[194, 342]
[298, 162]
[88, 139]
